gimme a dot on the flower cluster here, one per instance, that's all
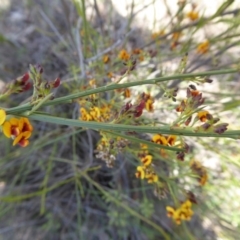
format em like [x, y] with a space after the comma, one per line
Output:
[42, 88]
[182, 213]
[98, 114]
[108, 148]
[190, 105]
[124, 55]
[146, 170]
[164, 140]
[21, 84]
[200, 171]
[192, 102]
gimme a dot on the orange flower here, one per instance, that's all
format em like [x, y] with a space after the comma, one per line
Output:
[2, 116]
[22, 139]
[159, 139]
[123, 55]
[18, 129]
[192, 15]
[106, 59]
[110, 74]
[202, 115]
[203, 47]
[136, 51]
[25, 125]
[127, 93]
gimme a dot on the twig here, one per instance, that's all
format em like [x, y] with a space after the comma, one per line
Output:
[109, 49]
[54, 29]
[79, 49]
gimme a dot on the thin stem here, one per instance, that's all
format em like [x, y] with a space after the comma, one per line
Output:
[110, 87]
[186, 131]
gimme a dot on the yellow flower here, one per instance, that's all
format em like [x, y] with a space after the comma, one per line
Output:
[124, 55]
[152, 177]
[171, 139]
[187, 204]
[85, 116]
[159, 139]
[202, 115]
[184, 212]
[92, 82]
[203, 47]
[19, 129]
[170, 211]
[149, 105]
[11, 128]
[192, 15]
[95, 113]
[2, 116]
[147, 160]
[140, 172]
[25, 125]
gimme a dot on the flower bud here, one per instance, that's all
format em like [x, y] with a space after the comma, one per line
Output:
[56, 82]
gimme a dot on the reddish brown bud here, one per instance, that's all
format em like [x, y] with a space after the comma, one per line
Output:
[123, 71]
[188, 121]
[191, 197]
[180, 156]
[139, 109]
[206, 126]
[220, 128]
[25, 78]
[193, 87]
[152, 53]
[215, 120]
[208, 80]
[56, 82]
[26, 87]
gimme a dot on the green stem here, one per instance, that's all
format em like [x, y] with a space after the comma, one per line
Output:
[184, 131]
[110, 87]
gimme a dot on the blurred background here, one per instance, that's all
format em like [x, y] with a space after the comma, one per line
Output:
[42, 193]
